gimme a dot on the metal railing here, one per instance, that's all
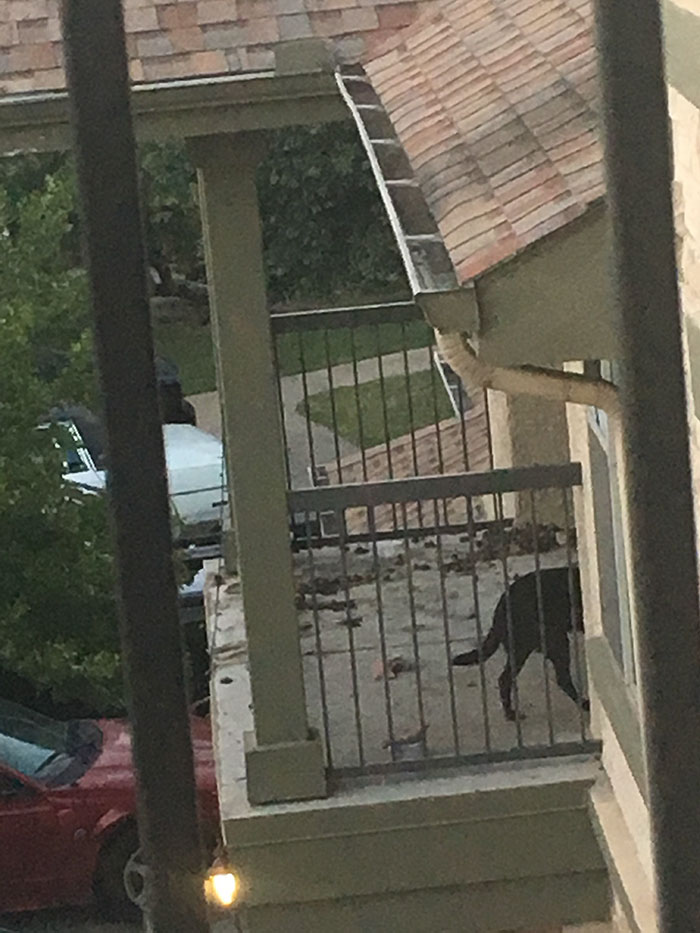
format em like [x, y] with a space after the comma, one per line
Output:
[381, 624]
[363, 398]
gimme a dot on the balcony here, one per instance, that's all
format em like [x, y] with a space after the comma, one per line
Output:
[403, 536]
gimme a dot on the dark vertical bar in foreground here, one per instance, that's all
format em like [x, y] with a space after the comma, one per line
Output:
[96, 66]
[659, 497]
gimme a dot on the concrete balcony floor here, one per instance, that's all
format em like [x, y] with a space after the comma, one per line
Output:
[359, 850]
[423, 649]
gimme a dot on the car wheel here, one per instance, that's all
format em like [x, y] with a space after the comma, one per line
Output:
[118, 856]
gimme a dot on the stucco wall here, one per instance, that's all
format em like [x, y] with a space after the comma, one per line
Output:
[617, 802]
[527, 431]
[686, 195]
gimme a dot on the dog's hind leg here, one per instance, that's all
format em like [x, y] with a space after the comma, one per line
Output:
[561, 659]
[505, 686]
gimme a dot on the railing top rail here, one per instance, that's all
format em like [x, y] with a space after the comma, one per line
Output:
[418, 488]
[390, 313]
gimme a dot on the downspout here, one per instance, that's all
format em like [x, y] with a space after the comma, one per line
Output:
[447, 304]
[459, 354]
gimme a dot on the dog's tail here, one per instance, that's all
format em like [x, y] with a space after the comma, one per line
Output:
[489, 645]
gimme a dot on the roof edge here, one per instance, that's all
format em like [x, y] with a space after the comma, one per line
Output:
[181, 108]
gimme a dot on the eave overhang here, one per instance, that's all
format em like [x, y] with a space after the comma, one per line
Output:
[182, 109]
[549, 303]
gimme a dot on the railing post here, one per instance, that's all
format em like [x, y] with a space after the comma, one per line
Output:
[284, 760]
[151, 635]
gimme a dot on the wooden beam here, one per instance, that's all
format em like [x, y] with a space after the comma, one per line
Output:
[182, 109]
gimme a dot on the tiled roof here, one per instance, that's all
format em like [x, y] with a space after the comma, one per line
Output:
[439, 450]
[193, 38]
[494, 103]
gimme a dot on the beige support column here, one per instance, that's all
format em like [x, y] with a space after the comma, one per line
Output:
[229, 548]
[528, 430]
[284, 760]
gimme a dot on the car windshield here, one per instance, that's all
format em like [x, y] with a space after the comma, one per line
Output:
[74, 462]
[41, 748]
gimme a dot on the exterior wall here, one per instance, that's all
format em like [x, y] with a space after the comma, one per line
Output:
[527, 305]
[617, 801]
[686, 145]
[527, 431]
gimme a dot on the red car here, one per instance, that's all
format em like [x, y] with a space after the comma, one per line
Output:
[67, 809]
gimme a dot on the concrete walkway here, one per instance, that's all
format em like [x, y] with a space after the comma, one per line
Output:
[323, 440]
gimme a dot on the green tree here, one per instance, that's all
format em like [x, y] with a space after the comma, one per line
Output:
[324, 234]
[171, 213]
[324, 228]
[57, 612]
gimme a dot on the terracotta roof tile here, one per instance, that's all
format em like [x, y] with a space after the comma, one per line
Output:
[177, 15]
[153, 45]
[494, 103]
[360, 19]
[198, 38]
[438, 449]
[186, 40]
[141, 19]
[215, 11]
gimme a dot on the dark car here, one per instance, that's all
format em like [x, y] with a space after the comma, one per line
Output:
[174, 407]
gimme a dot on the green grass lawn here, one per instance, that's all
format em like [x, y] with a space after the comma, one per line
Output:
[190, 347]
[398, 421]
[386, 338]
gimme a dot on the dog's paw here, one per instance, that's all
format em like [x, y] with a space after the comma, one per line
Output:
[512, 716]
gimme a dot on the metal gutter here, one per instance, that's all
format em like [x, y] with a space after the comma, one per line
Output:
[450, 307]
[426, 261]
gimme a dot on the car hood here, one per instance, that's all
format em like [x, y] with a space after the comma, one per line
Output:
[113, 768]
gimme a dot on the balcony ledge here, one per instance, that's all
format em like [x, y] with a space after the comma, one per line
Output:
[510, 845]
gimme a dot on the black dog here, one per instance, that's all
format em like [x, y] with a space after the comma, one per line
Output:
[556, 613]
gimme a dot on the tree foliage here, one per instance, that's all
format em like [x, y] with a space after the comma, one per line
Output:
[324, 229]
[57, 612]
[324, 234]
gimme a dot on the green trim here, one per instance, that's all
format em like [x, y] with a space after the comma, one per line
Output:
[682, 44]
[410, 807]
[693, 332]
[181, 109]
[292, 771]
[616, 884]
[535, 904]
[614, 695]
[321, 852]
[451, 311]
[283, 761]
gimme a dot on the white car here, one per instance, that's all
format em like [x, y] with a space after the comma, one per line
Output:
[195, 466]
